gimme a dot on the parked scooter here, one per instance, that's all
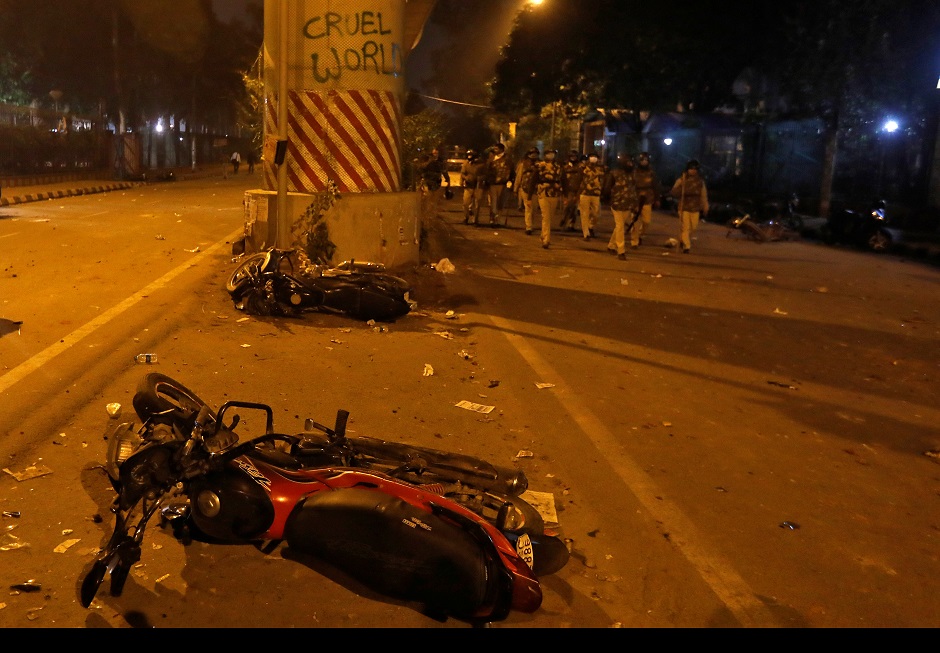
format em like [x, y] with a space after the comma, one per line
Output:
[447, 532]
[868, 230]
[284, 282]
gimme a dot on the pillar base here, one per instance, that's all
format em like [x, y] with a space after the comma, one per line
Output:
[380, 227]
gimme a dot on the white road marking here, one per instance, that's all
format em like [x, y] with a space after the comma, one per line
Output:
[716, 571]
[50, 352]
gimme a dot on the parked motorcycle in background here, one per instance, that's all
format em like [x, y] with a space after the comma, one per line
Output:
[448, 533]
[868, 230]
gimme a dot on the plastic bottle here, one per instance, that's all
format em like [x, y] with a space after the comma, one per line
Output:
[146, 358]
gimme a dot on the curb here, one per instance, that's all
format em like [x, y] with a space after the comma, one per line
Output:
[35, 197]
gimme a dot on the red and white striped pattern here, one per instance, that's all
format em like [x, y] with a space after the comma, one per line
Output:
[351, 137]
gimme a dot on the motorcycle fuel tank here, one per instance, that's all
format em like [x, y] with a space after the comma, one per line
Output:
[231, 505]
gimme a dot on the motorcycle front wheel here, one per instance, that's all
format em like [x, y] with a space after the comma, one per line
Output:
[247, 270]
[158, 394]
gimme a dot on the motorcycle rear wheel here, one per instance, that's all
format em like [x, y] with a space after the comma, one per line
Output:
[879, 241]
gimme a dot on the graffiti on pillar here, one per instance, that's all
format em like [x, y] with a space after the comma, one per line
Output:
[370, 54]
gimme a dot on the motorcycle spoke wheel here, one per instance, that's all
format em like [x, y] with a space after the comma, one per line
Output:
[879, 242]
[246, 271]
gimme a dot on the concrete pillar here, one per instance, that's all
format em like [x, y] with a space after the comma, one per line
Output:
[345, 79]
[345, 69]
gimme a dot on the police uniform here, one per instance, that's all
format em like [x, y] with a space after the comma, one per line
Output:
[690, 190]
[547, 184]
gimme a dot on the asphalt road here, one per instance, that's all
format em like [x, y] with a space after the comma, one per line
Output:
[742, 436]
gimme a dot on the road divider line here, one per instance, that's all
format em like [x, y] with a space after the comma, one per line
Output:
[35, 362]
[715, 570]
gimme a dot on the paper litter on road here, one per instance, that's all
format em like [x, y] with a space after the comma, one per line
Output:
[523, 453]
[33, 471]
[66, 545]
[542, 386]
[446, 335]
[777, 311]
[428, 370]
[479, 408]
[544, 503]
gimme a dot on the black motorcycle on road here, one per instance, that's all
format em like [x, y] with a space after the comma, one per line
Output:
[865, 229]
[284, 282]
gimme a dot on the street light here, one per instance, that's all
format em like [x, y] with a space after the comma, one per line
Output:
[889, 127]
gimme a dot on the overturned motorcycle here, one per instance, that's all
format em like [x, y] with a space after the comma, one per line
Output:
[285, 282]
[447, 532]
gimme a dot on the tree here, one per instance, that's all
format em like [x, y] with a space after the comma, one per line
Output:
[852, 63]
[847, 61]
[421, 132]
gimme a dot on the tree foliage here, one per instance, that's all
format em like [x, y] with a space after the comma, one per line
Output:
[143, 58]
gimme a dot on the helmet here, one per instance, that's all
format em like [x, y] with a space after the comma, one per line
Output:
[692, 165]
[471, 155]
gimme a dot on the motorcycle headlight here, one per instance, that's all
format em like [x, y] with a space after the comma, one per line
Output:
[122, 442]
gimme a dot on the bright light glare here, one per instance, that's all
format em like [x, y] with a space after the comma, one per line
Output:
[891, 126]
[535, 2]
[667, 141]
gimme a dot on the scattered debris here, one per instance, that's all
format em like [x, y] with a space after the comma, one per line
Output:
[544, 503]
[244, 319]
[444, 266]
[777, 311]
[246, 346]
[542, 386]
[450, 315]
[29, 586]
[193, 250]
[15, 514]
[32, 471]
[789, 525]
[523, 453]
[464, 354]
[479, 408]
[624, 282]
[146, 359]
[446, 335]
[10, 542]
[672, 243]
[160, 237]
[933, 453]
[114, 410]
[493, 383]
[66, 545]
[667, 424]
[428, 370]
[782, 385]
[9, 326]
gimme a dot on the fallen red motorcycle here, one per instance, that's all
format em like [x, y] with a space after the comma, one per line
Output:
[447, 532]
